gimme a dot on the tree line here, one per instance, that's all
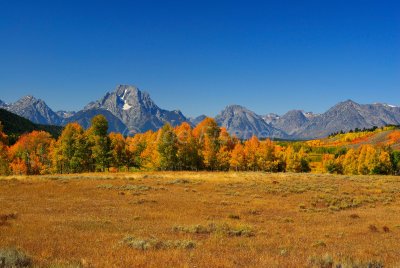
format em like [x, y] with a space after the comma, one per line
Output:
[204, 147]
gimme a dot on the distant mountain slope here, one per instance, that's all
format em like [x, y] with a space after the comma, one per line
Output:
[65, 114]
[136, 109]
[349, 115]
[36, 110]
[15, 125]
[243, 123]
[84, 118]
[270, 118]
[291, 122]
[195, 121]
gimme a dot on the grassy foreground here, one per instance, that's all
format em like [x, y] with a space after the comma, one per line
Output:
[188, 219]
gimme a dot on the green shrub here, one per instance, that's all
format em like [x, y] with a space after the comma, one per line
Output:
[325, 261]
[156, 244]
[234, 217]
[328, 261]
[220, 229]
[14, 258]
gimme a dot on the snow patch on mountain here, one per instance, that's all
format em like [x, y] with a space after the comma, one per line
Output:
[386, 104]
[126, 105]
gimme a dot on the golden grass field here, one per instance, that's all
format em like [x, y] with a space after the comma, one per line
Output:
[189, 219]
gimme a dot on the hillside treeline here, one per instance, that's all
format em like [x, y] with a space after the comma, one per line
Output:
[205, 147]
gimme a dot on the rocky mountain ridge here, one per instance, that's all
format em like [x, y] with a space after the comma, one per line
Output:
[130, 110]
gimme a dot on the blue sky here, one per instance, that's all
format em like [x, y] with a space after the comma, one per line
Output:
[199, 56]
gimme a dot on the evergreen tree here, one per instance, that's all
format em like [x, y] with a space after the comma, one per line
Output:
[395, 159]
[4, 162]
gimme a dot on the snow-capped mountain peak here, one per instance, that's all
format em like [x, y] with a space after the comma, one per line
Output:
[136, 109]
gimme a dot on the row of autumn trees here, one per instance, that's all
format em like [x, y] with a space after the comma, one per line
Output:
[205, 147]
[363, 161]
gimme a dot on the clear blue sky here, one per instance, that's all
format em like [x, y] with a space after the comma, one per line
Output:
[199, 56]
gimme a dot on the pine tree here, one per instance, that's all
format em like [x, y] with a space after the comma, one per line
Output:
[395, 159]
[4, 162]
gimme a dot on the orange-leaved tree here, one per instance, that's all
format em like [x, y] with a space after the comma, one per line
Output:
[30, 154]
[188, 157]
[238, 158]
[207, 135]
[119, 152]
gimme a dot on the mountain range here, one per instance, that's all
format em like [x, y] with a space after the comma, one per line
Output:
[130, 110]
[243, 123]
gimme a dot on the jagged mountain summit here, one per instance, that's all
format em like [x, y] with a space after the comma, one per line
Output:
[309, 115]
[197, 120]
[291, 122]
[35, 110]
[136, 109]
[349, 115]
[65, 114]
[243, 123]
[270, 118]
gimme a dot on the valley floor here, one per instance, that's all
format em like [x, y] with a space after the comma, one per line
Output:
[189, 219]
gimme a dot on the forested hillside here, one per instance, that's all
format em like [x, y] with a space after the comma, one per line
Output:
[15, 125]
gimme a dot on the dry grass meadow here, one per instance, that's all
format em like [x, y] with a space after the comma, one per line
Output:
[189, 219]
